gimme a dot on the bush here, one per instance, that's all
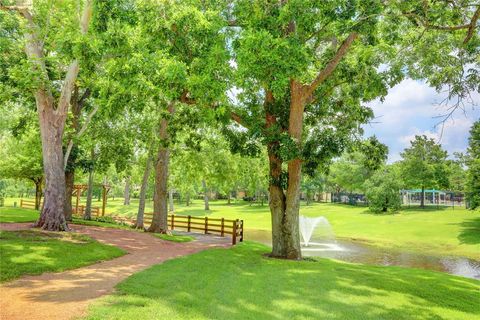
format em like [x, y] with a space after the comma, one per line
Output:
[383, 191]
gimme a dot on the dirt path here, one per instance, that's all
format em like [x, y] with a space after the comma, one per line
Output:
[66, 295]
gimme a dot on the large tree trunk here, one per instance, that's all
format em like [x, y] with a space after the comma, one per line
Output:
[170, 200]
[52, 120]
[126, 193]
[69, 182]
[88, 208]
[291, 218]
[52, 215]
[143, 192]
[160, 197]
[205, 197]
[277, 201]
[285, 207]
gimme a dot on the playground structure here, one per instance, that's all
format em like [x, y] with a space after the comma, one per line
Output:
[432, 197]
[79, 189]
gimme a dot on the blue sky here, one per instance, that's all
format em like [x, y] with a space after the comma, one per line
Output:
[409, 109]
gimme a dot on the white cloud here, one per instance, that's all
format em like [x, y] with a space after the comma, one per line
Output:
[412, 108]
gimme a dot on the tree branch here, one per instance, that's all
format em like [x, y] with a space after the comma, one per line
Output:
[331, 66]
[184, 98]
[471, 26]
[83, 98]
[78, 135]
[73, 69]
[237, 118]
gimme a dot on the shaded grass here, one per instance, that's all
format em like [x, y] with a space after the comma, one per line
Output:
[101, 224]
[174, 237]
[35, 252]
[240, 283]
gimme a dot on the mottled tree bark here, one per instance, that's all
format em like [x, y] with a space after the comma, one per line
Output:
[52, 215]
[52, 114]
[187, 199]
[143, 192]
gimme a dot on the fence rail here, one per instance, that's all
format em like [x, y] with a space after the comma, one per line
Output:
[80, 211]
[28, 204]
[208, 225]
[219, 226]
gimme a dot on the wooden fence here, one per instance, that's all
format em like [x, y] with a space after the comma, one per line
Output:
[219, 226]
[95, 211]
[28, 204]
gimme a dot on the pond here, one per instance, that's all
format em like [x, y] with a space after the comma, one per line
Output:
[356, 252]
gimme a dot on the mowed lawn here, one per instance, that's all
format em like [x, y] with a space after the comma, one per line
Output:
[240, 283]
[35, 252]
[431, 231]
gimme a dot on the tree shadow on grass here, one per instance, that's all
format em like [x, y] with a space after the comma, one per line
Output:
[470, 232]
[29, 252]
[246, 285]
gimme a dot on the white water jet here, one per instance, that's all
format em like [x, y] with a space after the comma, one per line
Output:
[308, 225]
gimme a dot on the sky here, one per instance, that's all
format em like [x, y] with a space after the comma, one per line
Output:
[409, 109]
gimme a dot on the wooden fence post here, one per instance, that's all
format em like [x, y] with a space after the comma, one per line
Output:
[234, 233]
[189, 220]
[206, 225]
[223, 227]
[241, 231]
[21, 203]
[173, 222]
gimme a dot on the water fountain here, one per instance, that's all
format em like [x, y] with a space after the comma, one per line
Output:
[319, 225]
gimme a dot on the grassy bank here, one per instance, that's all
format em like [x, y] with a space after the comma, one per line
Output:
[35, 252]
[431, 231]
[240, 283]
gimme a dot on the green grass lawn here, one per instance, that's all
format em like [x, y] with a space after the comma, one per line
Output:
[240, 283]
[8, 214]
[431, 231]
[35, 252]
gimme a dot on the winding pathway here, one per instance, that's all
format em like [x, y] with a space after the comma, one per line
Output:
[66, 295]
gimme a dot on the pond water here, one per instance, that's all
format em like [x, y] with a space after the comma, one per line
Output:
[356, 252]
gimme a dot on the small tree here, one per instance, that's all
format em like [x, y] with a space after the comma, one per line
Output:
[21, 158]
[424, 165]
[383, 191]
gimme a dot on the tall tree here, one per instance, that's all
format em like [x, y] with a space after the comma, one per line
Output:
[424, 165]
[305, 68]
[473, 162]
[45, 24]
[286, 62]
[185, 57]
